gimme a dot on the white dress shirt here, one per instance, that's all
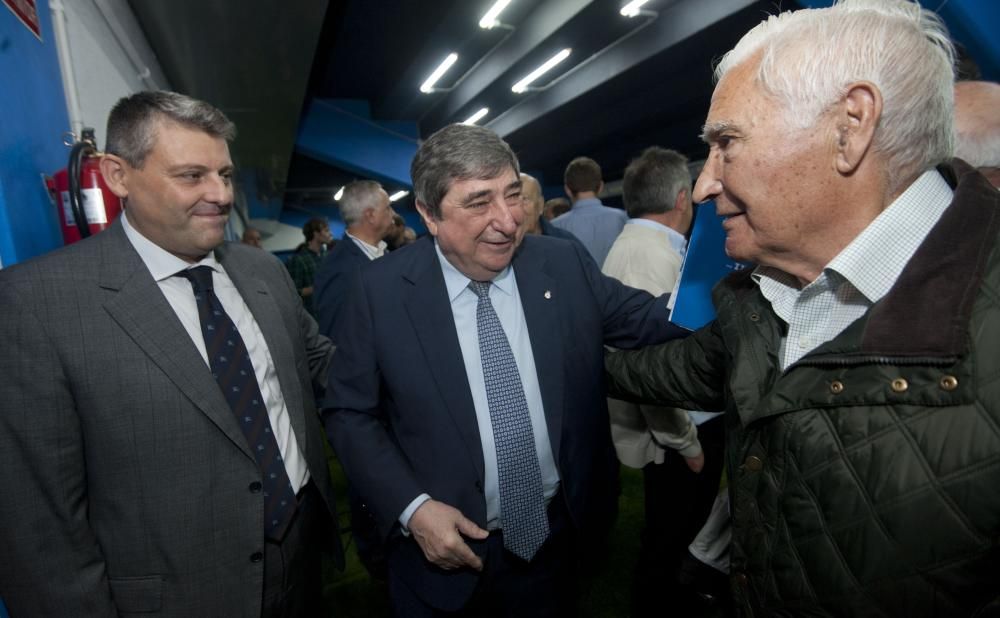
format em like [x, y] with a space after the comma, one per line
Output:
[372, 251]
[180, 295]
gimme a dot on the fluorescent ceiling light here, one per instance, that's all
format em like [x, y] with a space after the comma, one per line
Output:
[473, 119]
[438, 72]
[632, 8]
[397, 195]
[490, 19]
[339, 194]
[551, 62]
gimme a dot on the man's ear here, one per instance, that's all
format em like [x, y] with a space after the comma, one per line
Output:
[683, 201]
[569, 193]
[857, 118]
[115, 171]
[425, 214]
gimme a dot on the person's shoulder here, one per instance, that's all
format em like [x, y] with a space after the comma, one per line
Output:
[404, 259]
[71, 263]
[617, 213]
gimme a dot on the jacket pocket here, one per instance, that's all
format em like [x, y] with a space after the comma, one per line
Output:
[137, 595]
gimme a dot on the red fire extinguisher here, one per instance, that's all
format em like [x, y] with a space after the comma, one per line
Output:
[85, 203]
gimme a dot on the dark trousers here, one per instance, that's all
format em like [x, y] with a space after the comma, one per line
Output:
[508, 586]
[677, 503]
[293, 574]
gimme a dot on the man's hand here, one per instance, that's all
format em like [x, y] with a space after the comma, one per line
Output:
[438, 529]
[696, 463]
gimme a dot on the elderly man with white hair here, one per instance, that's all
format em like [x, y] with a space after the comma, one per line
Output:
[857, 362]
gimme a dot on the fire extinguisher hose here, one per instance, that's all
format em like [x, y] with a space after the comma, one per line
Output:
[80, 150]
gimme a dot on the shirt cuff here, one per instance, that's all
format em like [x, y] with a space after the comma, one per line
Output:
[404, 519]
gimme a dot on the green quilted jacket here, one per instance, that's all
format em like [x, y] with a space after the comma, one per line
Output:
[865, 478]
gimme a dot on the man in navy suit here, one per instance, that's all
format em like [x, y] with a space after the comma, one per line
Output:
[471, 340]
[365, 209]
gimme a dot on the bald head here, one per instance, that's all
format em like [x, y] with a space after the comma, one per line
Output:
[531, 193]
[977, 126]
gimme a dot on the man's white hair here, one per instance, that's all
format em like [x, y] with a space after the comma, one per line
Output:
[358, 197]
[809, 57]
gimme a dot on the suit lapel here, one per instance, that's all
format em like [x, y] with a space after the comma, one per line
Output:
[541, 299]
[429, 310]
[259, 299]
[141, 310]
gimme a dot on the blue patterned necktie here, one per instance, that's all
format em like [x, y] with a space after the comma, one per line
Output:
[522, 500]
[231, 367]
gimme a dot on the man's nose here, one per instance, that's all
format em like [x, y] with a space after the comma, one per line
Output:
[218, 189]
[709, 183]
[504, 219]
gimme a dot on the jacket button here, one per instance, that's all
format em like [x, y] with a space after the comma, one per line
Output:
[836, 387]
[754, 317]
[949, 383]
[899, 385]
[255, 487]
[754, 464]
[256, 557]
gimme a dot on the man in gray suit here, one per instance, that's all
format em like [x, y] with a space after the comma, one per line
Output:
[159, 443]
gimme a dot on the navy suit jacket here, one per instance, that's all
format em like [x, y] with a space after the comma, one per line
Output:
[399, 410]
[333, 280]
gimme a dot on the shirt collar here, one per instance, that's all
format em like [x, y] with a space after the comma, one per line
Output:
[456, 282]
[877, 256]
[893, 237]
[161, 263]
[676, 240]
[372, 251]
[587, 202]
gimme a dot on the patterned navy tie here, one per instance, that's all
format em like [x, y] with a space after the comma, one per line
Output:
[522, 500]
[230, 364]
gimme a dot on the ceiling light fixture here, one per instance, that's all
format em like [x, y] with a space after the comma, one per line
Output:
[632, 8]
[473, 119]
[522, 85]
[490, 19]
[397, 195]
[339, 194]
[428, 86]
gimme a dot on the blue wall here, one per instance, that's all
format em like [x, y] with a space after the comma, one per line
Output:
[33, 112]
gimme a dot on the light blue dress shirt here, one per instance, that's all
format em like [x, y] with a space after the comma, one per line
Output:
[596, 225]
[506, 302]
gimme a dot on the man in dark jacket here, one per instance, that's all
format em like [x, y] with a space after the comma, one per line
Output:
[857, 362]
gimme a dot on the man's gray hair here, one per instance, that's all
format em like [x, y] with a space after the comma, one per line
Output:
[133, 121]
[457, 152]
[653, 181]
[809, 57]
[358, 197]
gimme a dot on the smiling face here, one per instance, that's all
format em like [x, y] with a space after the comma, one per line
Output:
[479, 228]
[771, 182]
[181, 196]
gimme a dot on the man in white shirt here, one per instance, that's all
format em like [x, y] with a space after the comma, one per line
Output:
[662, 442]
[857, 362]
[158, 432]
[366, 210]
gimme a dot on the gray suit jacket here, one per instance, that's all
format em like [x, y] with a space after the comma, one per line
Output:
[125, 477]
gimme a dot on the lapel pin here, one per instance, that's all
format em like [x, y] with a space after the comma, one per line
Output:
[548, 294]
